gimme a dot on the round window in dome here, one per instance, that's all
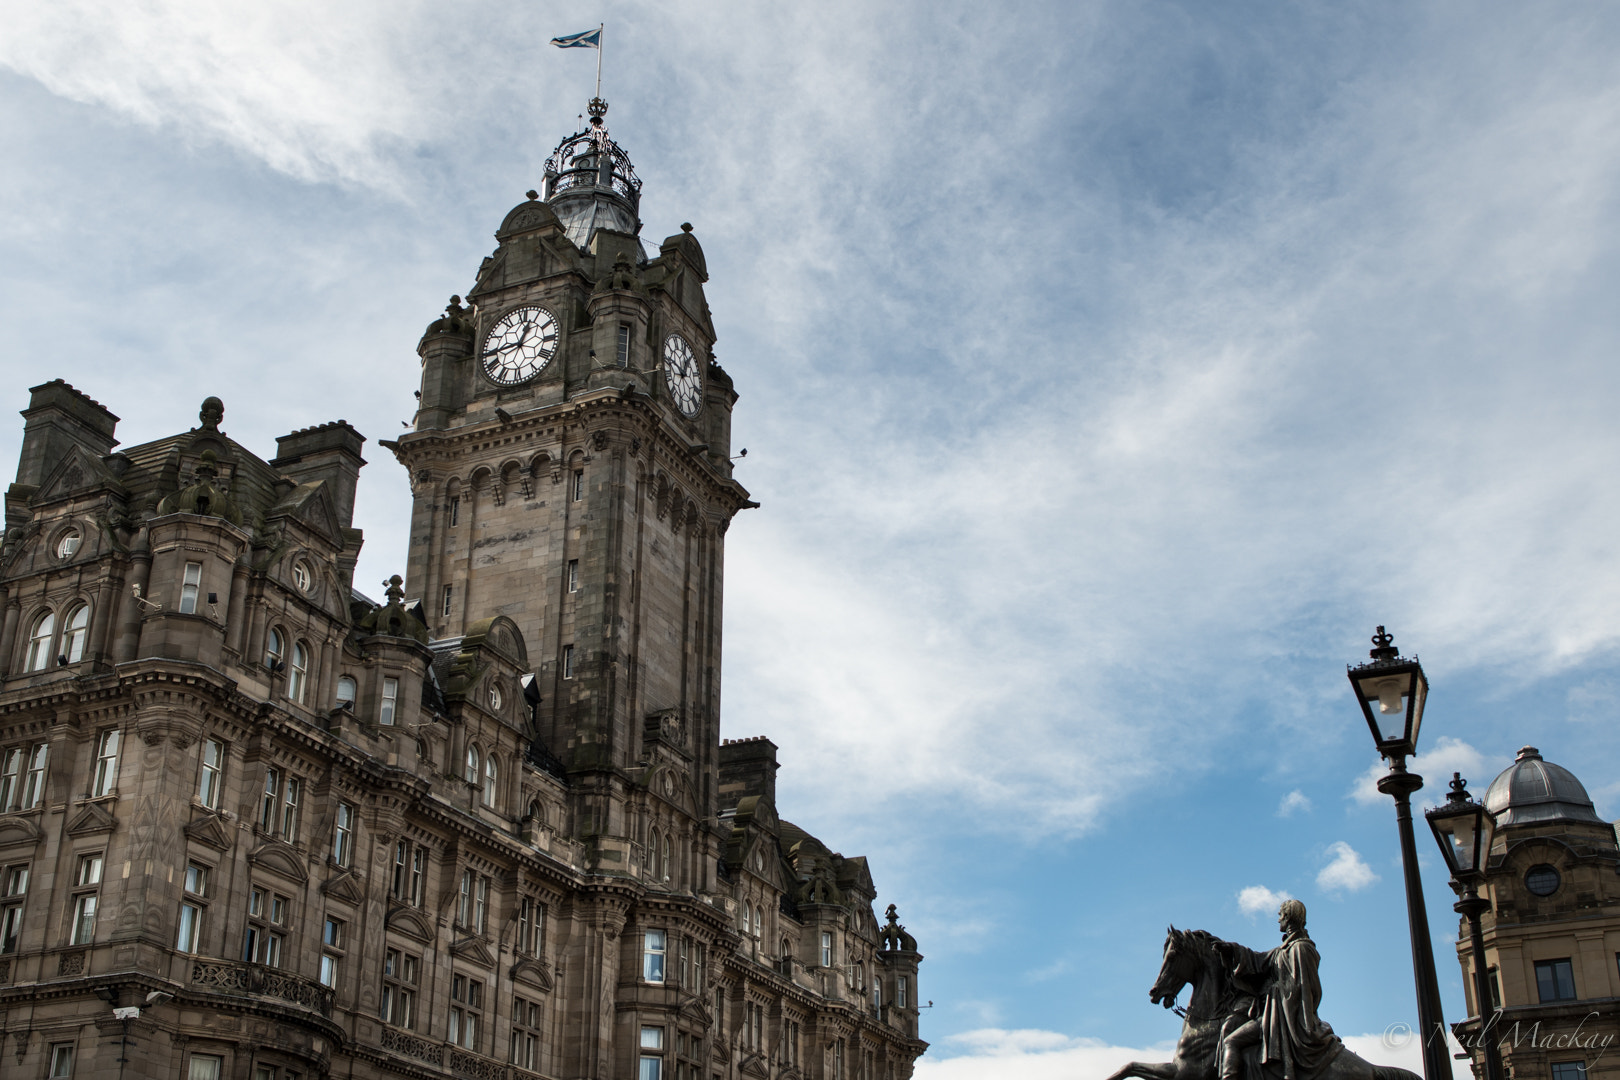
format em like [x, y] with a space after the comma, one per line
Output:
[1542, 880]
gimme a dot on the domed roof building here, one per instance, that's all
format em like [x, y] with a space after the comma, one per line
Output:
[1552, 936]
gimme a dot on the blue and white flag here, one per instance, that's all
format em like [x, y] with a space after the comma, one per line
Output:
[590, 39]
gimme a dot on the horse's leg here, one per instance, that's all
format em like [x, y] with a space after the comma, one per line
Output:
[1164, 1070]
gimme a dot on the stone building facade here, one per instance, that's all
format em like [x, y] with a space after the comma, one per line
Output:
[1552, 938]
[257, 826]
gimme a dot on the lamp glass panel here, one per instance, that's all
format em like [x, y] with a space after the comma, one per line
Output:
[1420, 693]
[1462, 831]
[1386, 695]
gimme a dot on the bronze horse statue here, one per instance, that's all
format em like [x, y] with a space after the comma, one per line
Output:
[1194, 957]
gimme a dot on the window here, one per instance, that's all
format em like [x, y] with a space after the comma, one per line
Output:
[75, 632]
[67, 545]
[208, 778]
[464, 899]
[455, 519]
[12, 895]
[826, 949]
[1542, 880]
[272, 792]
[33, 792]
[10, 773]
[1555, 980]
[390, 700]
[685, 963]
[877, 994]
[190, 582]
[410, 869]
[88, 876]
[1496, 989]
[652, 1064]
[654, 946]
[343, 835]
[568, 661]
[525, 1034]
[492, 776]
[289, 809]
[332, 938]
[301, 577]
[299, 679]
[531, 926]
[106, 764]
[469, 772]
[266, 938]
[61, 1060]
[345, 692]
[623, 353]
[191, 909]
[449, 593]
[480, 921]
[579, 484]
[274, 649]
[791, 1051]
[206, 1067]
[418, 875]
[902, 991]
[466, 1011]
[573, 575]
[39, 643]
[1569, 1070]
[664, 863]
[400, 975]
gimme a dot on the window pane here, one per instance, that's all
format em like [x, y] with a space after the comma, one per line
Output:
[205, 1067]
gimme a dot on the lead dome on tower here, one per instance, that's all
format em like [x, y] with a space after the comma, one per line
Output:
[591, 184]
[1534, 791]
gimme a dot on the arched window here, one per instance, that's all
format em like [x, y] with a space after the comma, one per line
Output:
[39, 643]
[652, 857]
[274, 649]
[744, 913]
[492, 779]
[298, 678]
[664, 865]
[535, 814]
[759, 919]
[75, 632]
[471, 773]
[345, 691]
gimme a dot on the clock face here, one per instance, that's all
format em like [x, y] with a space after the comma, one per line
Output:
[519, 347]
[681, 370]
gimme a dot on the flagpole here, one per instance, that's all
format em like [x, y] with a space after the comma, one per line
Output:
[600, 28]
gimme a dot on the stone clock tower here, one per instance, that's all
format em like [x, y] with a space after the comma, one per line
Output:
[571, 468]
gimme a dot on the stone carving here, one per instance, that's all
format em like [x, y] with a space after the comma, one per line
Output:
[70, 963]
[398, 1042]
[1248, 1009]
[599, 440]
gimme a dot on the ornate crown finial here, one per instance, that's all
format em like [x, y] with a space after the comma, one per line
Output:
[1459, 789]
[598, 109]
[1384, 646]
[395, 591]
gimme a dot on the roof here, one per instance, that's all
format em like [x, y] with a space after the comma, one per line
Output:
[1533, 791]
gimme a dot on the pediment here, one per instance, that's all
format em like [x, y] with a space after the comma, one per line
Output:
[18, 831]
[533, 971]
[473, 949]
[76, 472]
[279, 858]
[696, 1010]
[754, 1065]
[410, 922]
[344, 886]
[310, 504]
[207, 828]
[92, 818]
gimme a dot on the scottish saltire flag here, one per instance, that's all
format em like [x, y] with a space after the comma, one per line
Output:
[590, 39]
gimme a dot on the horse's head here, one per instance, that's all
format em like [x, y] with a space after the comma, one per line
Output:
[1177, 969]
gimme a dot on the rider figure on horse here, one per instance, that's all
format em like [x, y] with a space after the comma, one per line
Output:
[1280, 1016]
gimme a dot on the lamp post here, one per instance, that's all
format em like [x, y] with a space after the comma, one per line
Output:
[1391, 690]
[1465, 831]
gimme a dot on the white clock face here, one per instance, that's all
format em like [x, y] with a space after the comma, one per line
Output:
[681, 371]
[519, 347]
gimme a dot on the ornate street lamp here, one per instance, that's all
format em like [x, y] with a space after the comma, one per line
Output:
[1391, 691]
[1465, 831]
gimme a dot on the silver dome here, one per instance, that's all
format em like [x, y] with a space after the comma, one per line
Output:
[1532, 791]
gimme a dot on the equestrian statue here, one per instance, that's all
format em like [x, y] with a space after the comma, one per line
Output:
[1252, 1015]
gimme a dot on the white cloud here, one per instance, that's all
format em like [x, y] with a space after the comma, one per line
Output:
[1255, 900]
[1292, 803]
[1000, 1054]
[1435, 765]
[1346, 872]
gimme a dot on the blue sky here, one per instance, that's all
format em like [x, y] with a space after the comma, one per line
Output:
[1109, 370]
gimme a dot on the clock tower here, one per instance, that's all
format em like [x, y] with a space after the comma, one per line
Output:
[570, 467]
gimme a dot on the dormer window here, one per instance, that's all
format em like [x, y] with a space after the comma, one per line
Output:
[345, 692]
[68, 544]
[301, 576]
